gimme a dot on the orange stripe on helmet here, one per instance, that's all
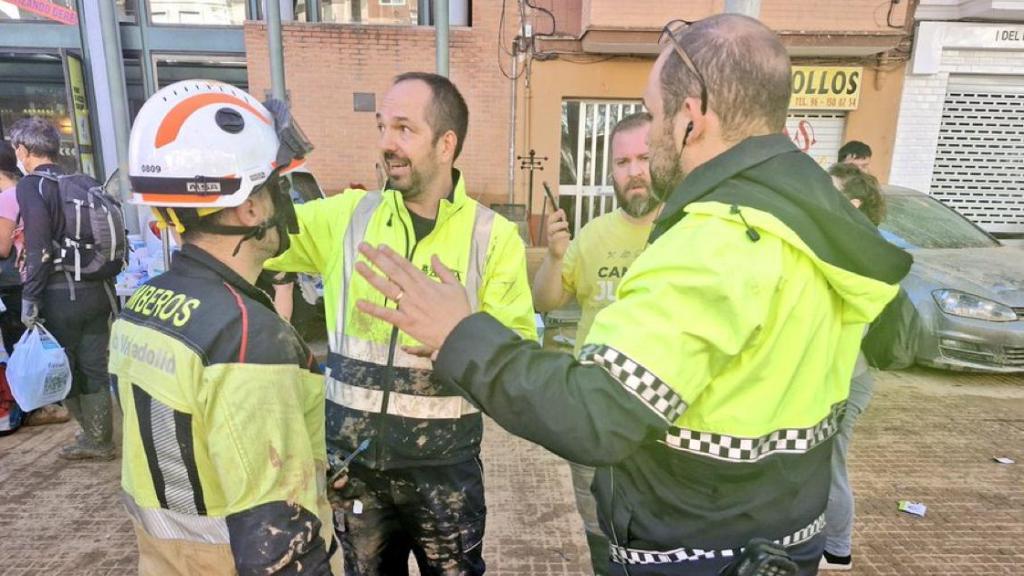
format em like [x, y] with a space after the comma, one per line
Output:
[172, 123]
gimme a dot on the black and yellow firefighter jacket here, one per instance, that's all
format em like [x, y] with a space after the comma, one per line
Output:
[224, 464]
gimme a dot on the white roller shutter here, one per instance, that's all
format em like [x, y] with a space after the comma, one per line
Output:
[819, 134]
[979, 160]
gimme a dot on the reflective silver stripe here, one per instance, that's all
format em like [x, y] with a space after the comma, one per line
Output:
[355, 397]
[429, 407]
[171, 525]
[363, 350]
[377, 353]
[740, 449]
[353, 236]
[177, 486]
[623, 555]
[399, 404]
[483, 224]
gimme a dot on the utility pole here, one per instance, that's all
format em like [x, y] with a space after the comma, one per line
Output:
[118, 99]
[750, 8]
[277, 88]
[441, 31]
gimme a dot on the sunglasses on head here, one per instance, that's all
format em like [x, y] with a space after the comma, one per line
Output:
[670, 36]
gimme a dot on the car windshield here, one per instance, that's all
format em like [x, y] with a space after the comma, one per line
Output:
[918, 221]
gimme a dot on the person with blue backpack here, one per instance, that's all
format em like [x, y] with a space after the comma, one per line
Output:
[74, 247]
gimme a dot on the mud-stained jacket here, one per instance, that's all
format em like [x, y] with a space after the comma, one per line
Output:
[375, 390]
[708, 393]
[224, 457]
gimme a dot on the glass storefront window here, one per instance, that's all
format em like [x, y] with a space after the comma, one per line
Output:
[198, 12]
[171, 69]
[395, 12]
[52, 11]
[33, 85]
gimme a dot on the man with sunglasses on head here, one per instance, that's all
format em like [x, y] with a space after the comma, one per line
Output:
[708, 394]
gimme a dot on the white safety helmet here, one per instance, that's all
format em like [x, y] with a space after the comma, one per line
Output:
[198, 146]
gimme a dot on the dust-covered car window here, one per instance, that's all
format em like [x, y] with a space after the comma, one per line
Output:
[917, 221]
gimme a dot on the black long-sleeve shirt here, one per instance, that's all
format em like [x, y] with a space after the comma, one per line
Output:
[43, 221]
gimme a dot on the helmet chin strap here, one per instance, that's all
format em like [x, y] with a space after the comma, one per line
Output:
[284, 221]
[247, 232]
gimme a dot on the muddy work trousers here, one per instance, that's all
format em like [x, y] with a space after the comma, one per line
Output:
[435, 512]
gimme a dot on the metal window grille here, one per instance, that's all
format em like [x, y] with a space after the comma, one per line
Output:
[979, 160]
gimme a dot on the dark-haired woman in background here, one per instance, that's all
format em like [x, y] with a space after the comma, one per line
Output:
[865, 193]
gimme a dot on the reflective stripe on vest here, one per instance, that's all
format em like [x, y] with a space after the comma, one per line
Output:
[353, 236]
[171, 525]
[399, 404]
[477, 263]
[377, 353]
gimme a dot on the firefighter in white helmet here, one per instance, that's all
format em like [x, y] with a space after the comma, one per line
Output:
[224, 456]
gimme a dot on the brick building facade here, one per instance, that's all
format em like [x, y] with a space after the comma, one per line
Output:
[326, 64]
[584, 52]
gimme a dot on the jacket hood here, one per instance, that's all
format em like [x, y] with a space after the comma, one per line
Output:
[774, 187]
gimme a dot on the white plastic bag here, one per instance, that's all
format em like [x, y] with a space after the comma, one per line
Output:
[38, 371]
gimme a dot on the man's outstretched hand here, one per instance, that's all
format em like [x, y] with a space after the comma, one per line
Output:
[427, 310]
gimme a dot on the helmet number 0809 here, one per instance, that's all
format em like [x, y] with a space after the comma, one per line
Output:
[150, 169]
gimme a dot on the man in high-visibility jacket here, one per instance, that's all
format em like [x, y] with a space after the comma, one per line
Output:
[419, 480]
[708, 394]
[224, 456]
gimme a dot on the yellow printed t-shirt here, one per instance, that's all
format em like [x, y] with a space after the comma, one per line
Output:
[596, 261]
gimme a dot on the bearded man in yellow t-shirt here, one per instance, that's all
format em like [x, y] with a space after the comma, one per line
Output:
[590, 267]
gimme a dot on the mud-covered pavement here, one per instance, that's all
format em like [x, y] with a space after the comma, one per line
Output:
[928, 436]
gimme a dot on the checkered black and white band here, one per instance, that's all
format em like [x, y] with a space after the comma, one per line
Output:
[654, 392]
[623, 555]
[739, 449]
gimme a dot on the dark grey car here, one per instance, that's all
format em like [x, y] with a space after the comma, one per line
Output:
[967, 288]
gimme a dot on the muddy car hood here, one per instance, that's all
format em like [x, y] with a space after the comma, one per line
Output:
[995, 273]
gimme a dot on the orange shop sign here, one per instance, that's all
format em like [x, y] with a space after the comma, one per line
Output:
[826, 87]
